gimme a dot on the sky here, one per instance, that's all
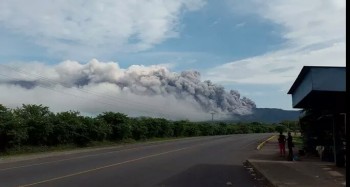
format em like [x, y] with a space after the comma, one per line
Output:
[254, 47]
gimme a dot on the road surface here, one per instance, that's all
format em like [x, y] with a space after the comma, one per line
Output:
[200, 161]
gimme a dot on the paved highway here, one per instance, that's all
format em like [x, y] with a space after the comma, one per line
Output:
[201, 161]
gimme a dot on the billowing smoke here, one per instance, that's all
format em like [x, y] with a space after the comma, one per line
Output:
[137, 90]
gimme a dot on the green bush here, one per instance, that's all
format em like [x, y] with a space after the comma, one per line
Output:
[36, 125]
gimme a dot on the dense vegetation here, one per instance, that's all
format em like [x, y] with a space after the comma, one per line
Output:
[36, 125]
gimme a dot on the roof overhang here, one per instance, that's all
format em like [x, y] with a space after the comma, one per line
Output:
[323, 100]
[320, 88]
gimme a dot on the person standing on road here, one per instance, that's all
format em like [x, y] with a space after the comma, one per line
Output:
[290, 147]
[282, 144]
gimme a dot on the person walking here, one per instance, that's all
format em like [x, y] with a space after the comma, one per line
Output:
[290, 147]
[282, 144]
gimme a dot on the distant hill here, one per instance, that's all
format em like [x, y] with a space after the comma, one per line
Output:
[269, 115]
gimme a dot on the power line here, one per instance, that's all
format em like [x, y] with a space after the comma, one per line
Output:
[82, 97]
[50, 82]
[212, 116]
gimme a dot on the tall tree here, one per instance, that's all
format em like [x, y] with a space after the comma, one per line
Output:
[12, 133]
[37, 120]
[121, 128]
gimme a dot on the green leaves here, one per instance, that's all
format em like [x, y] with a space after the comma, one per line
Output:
[36, 120]
[36, 125]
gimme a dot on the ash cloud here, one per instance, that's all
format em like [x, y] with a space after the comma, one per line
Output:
[137, 90]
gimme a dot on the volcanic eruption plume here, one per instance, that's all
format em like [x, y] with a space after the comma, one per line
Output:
[138, 88]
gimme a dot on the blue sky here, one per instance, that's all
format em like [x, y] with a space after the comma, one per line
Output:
[255, 47]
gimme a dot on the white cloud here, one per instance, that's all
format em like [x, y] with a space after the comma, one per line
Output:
[242, 24]
[87, 26]
[277, 67]
[315, 35]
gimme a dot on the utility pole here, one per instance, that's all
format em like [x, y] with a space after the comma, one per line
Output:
[212, 116]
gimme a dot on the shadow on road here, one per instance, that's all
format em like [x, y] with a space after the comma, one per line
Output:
[211, 175]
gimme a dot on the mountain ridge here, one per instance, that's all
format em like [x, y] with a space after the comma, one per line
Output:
[268, 115]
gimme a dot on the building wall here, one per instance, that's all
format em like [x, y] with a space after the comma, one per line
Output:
[328, 79]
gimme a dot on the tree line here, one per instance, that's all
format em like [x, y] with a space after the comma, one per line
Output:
[36, 125]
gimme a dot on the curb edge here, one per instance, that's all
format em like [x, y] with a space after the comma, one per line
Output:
[263, 143]
[270, 183]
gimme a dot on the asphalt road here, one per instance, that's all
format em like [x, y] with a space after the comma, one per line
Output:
[200, 161]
